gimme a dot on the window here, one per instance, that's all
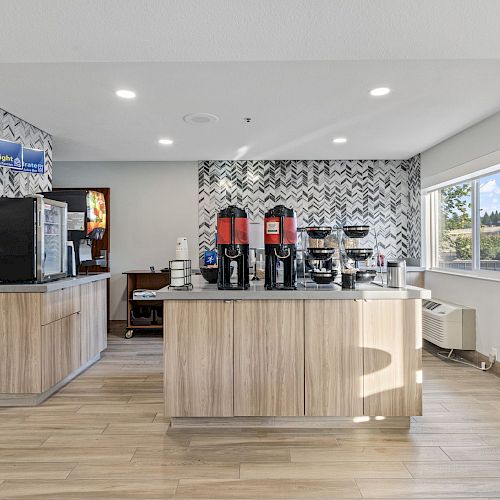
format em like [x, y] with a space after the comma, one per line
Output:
[489, 210]
[465, 222]
[455, 227]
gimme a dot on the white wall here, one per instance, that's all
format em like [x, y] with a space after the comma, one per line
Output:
[473, 149]
[483, 295]
[152, 203]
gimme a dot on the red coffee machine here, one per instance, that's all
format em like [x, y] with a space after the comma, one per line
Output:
[280, 240]
[232, 247]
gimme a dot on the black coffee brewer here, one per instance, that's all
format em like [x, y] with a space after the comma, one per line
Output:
[232, 247]
[280, 240]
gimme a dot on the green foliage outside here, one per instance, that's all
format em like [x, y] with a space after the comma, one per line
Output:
[492, 219]
[490, 247]
[456, 223]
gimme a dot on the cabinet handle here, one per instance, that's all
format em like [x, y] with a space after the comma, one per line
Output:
[228, 301]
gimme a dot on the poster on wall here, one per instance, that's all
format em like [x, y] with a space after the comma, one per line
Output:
[11, 155]
[33, 161]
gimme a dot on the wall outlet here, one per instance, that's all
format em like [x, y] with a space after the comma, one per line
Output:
[494, 354]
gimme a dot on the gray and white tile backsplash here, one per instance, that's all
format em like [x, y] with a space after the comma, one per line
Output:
[382, 193]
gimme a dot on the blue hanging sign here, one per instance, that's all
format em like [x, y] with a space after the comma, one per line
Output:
[11, 155]
[33, 160]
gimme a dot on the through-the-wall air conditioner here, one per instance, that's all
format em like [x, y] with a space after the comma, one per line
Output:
[449, 326]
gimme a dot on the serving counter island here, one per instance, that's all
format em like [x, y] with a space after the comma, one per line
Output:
[288, 357]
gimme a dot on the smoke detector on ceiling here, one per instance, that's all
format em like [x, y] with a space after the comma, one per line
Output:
[200, 118]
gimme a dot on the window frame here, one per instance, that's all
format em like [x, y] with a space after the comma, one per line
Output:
[431, 218]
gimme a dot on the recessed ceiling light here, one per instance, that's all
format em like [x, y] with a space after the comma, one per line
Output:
[380, 91]
[200, 118]
[166, 142]
[125, 94]
[339, 140]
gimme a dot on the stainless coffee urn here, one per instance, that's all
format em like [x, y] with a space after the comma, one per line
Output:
[396, 273]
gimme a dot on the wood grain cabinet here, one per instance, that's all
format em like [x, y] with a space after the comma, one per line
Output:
[93, 319]
[392, 381]
[47, 338]
[20, 340]
[59, 304]
[269, 358]
[60, 349]
[333, 357]
[198, 336]
[290, 358]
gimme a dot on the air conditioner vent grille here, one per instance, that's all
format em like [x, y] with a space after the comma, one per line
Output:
[434, 329]
[430, 305]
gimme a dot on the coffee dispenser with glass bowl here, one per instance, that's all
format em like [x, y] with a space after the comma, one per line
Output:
[320, 254]
[360, 252]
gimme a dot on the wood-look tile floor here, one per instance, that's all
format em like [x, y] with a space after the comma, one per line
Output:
[104, 436]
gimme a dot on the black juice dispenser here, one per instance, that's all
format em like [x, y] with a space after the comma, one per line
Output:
[280, 240]
[232, 248]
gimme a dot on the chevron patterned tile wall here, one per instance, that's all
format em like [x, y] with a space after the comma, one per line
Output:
[382, 193]
[17, 184]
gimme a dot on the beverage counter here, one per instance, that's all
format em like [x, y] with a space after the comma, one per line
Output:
[293, 356]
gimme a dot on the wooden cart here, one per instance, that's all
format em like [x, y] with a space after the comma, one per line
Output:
[144, 315]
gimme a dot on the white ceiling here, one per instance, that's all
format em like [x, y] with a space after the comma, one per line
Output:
[301, 69]
[247, 30]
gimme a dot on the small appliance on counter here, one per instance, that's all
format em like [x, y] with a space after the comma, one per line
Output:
[362, 254]
[396, 273]
[280, 241]
[32, 239]
[353, 250]
[233, 248]
[86, 222]
[319, 250]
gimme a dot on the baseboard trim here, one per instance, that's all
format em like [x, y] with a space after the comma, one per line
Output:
[295, 422]
[474, 357]
[36, 399]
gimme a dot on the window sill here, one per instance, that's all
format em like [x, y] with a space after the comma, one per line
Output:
[483, 275]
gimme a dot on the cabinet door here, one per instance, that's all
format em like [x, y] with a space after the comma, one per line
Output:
[60, 349]
[198, 336]
[70, 298]
[20, 343]
[269, 358]
[60, 303]
[392, 331]
[88, 323]
[333, 358]
[51, 306]
[101, 306]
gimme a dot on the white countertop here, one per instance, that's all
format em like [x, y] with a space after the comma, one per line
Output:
[52, 285]
[205, 291]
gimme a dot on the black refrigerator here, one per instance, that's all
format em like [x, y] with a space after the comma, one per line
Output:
[32, 239]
